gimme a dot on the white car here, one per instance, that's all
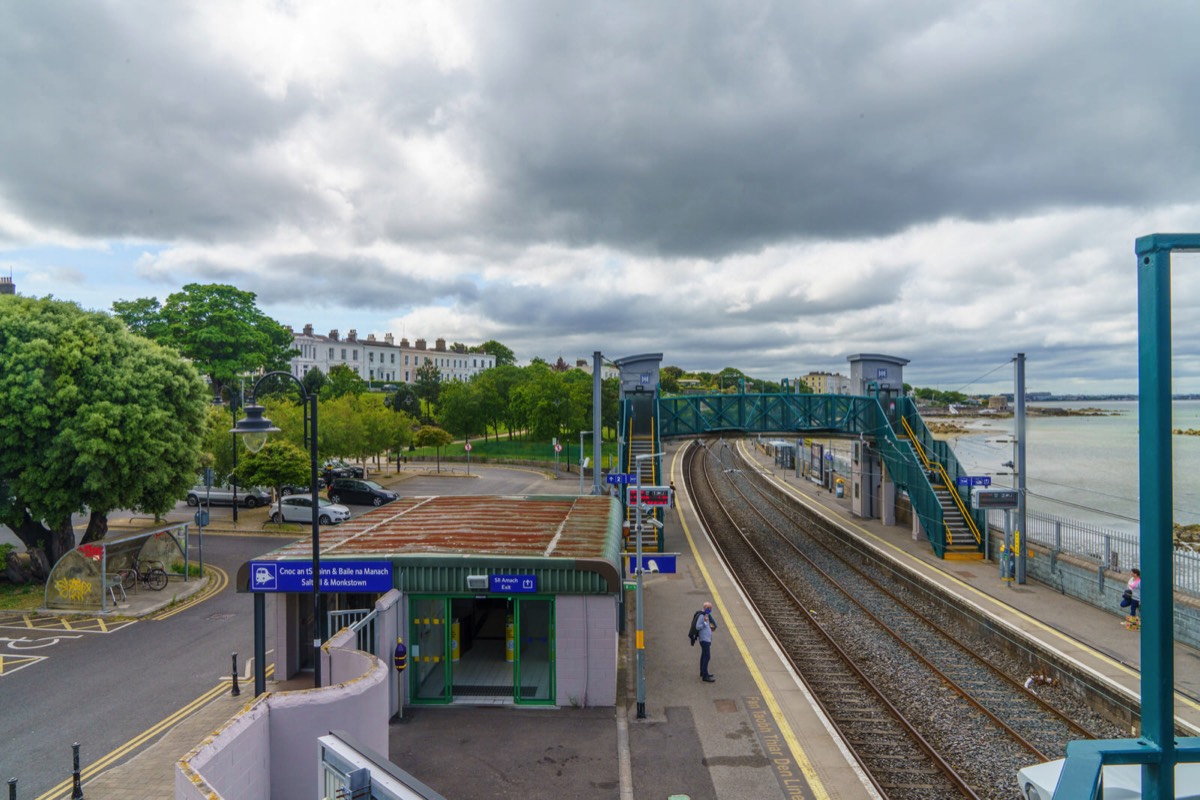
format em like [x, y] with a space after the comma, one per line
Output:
[298, 508]
[1121, 782]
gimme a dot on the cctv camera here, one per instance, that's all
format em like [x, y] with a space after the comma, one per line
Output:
[653, 565]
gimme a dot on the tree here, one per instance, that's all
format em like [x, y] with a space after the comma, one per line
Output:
[313, 380]
[279, 462]
[217, 327]
[460, 409]
[496, 388]
[433, 436]
[405, 399]
[91, 417]
[428, 385]
[668, 379]
[342, 380]
[504, 356]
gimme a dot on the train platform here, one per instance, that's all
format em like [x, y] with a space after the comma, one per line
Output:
[1092, 638]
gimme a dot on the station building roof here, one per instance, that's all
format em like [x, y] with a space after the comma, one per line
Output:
[572, 542]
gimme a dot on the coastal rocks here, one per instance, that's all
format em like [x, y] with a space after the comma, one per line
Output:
[1187, 536]
[1185, 432]
[946, 428]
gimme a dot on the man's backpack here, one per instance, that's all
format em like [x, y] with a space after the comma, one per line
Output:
[694, 634]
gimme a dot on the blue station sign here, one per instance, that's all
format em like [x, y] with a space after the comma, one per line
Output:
[653, 562]
[618, 478]
[513, 584]
[336, 576]
[973, 480]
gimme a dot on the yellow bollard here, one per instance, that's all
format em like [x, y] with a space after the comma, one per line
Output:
[455, 640]
[508, 639]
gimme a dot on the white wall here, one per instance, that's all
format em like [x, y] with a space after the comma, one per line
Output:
[586, 650]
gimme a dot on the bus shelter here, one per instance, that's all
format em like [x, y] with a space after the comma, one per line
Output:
[85, 578]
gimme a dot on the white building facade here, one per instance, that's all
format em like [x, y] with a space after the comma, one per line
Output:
[383, 359]
[827, 383]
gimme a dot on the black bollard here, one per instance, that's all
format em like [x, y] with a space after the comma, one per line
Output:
[12, 789]
[236, 690]
[76, 786]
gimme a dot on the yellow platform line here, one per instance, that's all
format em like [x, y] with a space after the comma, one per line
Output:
[798, 754]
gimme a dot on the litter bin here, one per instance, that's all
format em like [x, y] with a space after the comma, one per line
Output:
[839, 489]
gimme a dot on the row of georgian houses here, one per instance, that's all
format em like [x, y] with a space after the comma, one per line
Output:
[383, 359]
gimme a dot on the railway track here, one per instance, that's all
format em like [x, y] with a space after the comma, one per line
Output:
[926, 715]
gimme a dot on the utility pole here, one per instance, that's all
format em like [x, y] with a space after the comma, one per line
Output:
[1020, 538]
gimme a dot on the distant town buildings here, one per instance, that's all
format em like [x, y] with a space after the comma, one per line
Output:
[6, 285]
[607, 370]
[826, 383]
[384, 359]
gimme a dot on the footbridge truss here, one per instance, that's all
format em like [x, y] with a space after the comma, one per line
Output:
[923, 467]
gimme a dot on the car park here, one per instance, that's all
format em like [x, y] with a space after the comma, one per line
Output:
[222, 495]
[360, 492]
[340, 469]
[298, 508]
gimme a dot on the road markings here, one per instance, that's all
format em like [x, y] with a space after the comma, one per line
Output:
[219, 579]
[11, 664]
[29, 622]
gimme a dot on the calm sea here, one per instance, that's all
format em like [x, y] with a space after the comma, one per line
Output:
[1085, 468]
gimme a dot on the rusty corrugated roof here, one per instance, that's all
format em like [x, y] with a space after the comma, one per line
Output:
[545, 527]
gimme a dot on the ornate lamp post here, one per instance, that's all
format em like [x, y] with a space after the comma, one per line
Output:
[254, 428]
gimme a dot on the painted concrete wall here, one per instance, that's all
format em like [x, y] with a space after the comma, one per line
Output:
[586, 650]
[269, 749]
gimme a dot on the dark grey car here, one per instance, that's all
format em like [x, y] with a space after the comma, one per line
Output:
[360, 492]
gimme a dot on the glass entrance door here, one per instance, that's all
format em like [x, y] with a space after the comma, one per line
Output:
[533, 676]
[427, 635]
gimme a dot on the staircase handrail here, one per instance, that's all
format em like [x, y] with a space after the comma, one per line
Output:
[940, 468]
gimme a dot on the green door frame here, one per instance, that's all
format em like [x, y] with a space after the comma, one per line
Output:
[447, 664]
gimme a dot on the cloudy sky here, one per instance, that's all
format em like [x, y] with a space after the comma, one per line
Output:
[771, 186]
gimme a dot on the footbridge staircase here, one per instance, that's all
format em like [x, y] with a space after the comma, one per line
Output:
[889, 427]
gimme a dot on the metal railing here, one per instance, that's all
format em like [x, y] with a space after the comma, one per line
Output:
[360, 621]
[1114, 550]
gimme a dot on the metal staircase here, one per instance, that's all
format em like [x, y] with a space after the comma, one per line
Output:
[642, 440]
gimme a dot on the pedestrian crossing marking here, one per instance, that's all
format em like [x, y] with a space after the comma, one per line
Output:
[10, 664]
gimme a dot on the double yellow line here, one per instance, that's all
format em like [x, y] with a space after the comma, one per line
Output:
[220, 579]
[62, 790]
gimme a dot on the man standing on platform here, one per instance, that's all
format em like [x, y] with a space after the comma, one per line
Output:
[705, 625]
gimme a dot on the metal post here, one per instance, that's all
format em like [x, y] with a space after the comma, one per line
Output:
[318, 610]
[1020, 429]
[597, 419]
[76, 786]
[260, 644]
[639, 635]
[12, 789]
[581, 466]
[236, 691]
[233, 414]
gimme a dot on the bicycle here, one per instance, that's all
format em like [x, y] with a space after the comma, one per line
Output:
[150, 573]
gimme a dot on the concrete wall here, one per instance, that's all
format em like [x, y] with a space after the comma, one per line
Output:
[586, 650]
[269, 749]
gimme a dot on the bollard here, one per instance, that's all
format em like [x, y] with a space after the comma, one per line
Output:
[236, 690]
[76, 786]
[12, 789]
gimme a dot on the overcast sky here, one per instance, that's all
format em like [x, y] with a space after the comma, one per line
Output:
[770, 186]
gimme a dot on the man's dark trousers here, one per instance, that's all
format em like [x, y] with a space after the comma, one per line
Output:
[705, 648]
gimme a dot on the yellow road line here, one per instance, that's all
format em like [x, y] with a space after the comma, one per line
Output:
[96, 767]
[979, 594]
[798, 754]
[219, 582]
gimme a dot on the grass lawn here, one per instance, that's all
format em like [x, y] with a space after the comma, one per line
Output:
[21, 598]
[521, 450]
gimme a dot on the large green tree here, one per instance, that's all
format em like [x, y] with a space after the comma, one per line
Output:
[278, 463]
[341, 381]
[460, 409]
[91, 418]
[428, 385]
[219, 328]
[504, 356]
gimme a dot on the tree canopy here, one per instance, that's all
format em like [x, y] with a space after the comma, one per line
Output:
[504, 356]
[216, 326]
[91, 417]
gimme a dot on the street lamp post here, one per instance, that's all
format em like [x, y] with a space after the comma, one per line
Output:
[254, 428]
[639, 635]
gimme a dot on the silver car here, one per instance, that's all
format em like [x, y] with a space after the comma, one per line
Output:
[298, 508]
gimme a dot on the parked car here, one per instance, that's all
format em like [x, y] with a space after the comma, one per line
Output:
[340, 469]
[222, 495]
[295, 488]
[360, 492]
[298, 508]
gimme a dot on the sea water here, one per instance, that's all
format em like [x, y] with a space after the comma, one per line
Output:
[1084, 467]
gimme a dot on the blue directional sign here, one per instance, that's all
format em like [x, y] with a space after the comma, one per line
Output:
[973, 480]
[336, 576]
[653, 562]
[618, 478]
[513, 584]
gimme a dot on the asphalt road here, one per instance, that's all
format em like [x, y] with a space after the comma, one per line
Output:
[101, 689]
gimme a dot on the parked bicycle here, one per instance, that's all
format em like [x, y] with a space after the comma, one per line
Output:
[149, 573]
